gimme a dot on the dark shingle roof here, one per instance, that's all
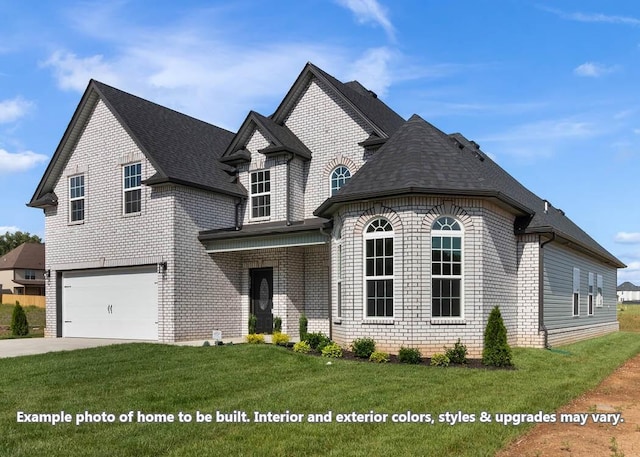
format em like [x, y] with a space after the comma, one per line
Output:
[628, 287]
[421, 159]
[26, 256]
[181, 148]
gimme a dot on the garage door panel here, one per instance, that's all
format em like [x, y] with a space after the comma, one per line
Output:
[111, 303]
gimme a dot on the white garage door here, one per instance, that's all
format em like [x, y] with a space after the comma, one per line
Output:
[110, 303]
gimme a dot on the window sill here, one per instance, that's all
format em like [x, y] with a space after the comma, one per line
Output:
[132, 214]
[456, 321]
[378, 322]
[76, 222]
[338, 321]
[259, 219]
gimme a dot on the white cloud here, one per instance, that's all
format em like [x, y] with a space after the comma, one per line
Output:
[373, 71]
[370, 11]
[13, 109]
[593, 70]
[593, 17]
[73, 73]
[631, 273]
[627, 237]
[19, 161]
[8, 228]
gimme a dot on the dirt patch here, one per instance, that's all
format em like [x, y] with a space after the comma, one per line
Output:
[619, 393]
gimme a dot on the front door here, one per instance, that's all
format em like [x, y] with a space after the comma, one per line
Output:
[262, 298]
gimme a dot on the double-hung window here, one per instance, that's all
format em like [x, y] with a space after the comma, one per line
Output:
[260, 194]
[132, 188]
[76, 198]
[29, 274]
[446, 268]
[576, 291]
[378, 244]
[590, 295]
[599, 296]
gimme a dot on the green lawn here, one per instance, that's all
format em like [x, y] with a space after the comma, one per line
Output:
[170, 379]
[35, 318]
[629, 317]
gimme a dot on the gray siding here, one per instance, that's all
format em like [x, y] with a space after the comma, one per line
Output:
[559, 263]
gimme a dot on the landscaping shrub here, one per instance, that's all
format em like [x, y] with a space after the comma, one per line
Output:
[458, 354]
[19, 324]
[317, 340]
[363, 347]
[496, 351]
[379, 357]
[303, 325]
[439, 360]
[253, 321]
[332, 350]
[255, 338]
[279, 338]
[277, 325]
[409, 355]
[302, 347]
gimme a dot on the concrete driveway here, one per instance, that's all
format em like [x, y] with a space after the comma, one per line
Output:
[30, 346]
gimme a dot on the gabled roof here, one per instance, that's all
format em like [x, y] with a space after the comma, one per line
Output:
[26, 256]
[383, 120]
[281, 139]
[421, 159]
[182, 149]
[628, 287]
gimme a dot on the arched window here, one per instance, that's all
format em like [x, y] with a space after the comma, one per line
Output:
[378, 244]
[339, 176]
[446, 268]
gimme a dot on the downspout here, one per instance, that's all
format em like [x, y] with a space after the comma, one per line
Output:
[237, 222]
[330, 291]
[289, 188]
[541, 326]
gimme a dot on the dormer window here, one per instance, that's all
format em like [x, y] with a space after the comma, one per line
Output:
[339, 176]
[260, 194]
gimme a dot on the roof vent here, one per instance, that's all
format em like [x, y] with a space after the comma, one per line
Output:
[560, 211]
[546, 206]
[373, 94]
[475, 145]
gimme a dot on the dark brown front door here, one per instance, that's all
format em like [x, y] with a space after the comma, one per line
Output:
[262, 298]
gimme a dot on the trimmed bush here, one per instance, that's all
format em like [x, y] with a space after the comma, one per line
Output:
[363, 347]
[277, 325]
[379, 357]
[332, 350]
[457, 354]
[279, 338]
[439, 360]
[19, 324]
[303, 324]
[409, 355]
[317, 340]
[253, 321]
[255, 338]
[496, 351]
[302, 347]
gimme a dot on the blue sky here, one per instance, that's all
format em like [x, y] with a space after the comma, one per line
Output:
[550, 89]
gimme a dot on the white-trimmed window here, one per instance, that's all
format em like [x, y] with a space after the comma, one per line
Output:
[132, 188]
[29, 274]
[446, 268]
[590, 295]
[339, 176]
[599, 296]
[378, 244]
[76, 198]
[260, 194]
[576, 291]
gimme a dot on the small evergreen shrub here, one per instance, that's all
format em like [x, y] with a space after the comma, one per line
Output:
[332, 350]
[409, 355]
[255, 338]
[279, 338]
[496, 351]
[303, 325]
[206, 344]
[457, 354]
[379, 357]
[302, 347]
[19, 324]
[439, 360]
[317, 340]
[253, 321]
[277, 325]
[363, 347]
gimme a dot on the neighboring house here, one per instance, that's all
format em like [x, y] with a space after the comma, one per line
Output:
[22, 270]
[628, 292]
[160, 226]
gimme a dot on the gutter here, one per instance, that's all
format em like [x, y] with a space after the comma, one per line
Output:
[541, 326]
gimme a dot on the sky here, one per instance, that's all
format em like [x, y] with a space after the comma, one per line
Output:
[549, 89]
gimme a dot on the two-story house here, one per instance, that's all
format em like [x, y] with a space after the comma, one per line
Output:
[22, 270]
[160, 226]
